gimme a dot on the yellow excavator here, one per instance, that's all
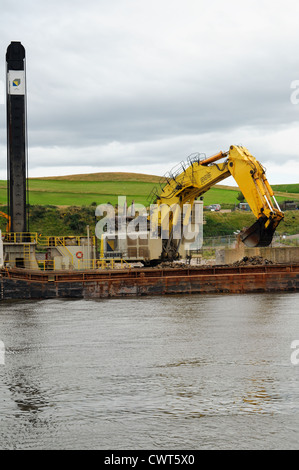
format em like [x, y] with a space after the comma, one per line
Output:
[2, 214]
[196, 177]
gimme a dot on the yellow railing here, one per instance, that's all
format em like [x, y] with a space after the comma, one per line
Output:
[79, 264]
[20, 237]
[43, 265]
[63, 246]
[26, 263]
[46, 265]
[63, 241]
[41, 240]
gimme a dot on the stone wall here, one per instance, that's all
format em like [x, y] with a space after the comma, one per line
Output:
[279, 255]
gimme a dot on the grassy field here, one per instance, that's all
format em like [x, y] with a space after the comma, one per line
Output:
[82, 193]
[286, 188]
[83, 190]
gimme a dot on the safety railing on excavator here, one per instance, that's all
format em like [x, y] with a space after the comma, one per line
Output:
[173, 173]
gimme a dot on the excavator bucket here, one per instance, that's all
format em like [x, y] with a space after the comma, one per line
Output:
[258, 234]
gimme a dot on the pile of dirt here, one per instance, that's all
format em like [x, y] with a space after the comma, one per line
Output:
[172, 264]
[252, 261]
[246, 261]
[182, 265]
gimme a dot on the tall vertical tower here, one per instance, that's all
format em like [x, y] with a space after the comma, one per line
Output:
[16, 136]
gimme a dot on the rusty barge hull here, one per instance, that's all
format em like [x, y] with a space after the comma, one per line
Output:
[22, 284]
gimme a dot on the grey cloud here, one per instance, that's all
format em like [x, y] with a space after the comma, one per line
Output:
[104, 72]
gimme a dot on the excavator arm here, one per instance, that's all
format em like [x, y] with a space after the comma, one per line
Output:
[199, 175]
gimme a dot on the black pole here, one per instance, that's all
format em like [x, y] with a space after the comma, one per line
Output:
[16, 136]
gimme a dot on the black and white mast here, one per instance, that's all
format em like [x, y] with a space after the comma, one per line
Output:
[16, 136]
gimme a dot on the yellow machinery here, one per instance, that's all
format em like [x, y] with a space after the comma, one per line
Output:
[2, 214]
[198, 176]
[173, 208]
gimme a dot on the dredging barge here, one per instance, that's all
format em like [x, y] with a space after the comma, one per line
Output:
[18, 283]
[65, 271]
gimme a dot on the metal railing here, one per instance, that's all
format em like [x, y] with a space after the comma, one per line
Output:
[79, 264]
[63, 247]
[63, 241]
[42, 240]
[102, 263]
[46, 265]
[24, 263]
[286, 240]
[230, 240]
[20, 237]
[225, 240]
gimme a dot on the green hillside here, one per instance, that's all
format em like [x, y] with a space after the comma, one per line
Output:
[286, 188]
[83, 190]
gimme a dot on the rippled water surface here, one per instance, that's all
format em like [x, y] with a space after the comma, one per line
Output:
[195, 372]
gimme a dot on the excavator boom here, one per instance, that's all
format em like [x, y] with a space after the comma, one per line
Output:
[200, 175]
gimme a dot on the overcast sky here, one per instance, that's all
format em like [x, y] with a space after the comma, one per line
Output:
[137, 86]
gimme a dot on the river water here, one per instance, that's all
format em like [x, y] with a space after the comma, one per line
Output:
[171, 372]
